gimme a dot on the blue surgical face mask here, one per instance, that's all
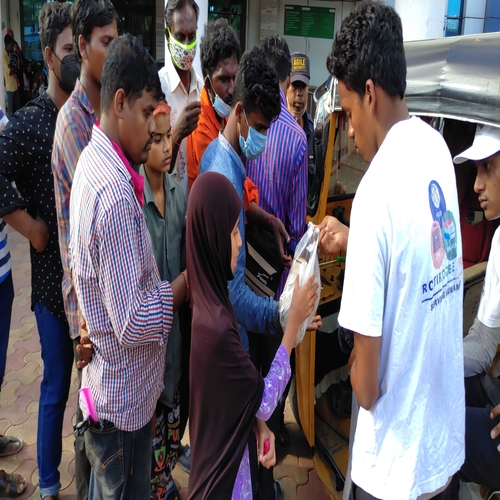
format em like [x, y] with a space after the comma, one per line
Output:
[254, 144]
[221, 107]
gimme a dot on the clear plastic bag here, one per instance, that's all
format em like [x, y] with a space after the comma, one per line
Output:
[305, 264]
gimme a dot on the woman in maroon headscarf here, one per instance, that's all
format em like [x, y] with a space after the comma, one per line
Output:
[227, 391]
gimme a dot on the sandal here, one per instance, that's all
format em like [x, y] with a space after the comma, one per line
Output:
[12, 485]
[284, 436]
[278, 490]
[10, 445]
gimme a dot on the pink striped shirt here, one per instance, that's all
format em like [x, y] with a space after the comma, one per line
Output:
[128, 310]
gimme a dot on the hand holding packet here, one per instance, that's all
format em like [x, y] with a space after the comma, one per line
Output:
[305, 264]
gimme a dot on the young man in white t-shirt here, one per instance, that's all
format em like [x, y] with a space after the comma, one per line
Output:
[482, 432]
[403, 286]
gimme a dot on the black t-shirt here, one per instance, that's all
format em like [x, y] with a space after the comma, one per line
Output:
[25, 158]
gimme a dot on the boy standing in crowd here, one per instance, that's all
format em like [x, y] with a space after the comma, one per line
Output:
[94, 28]
[25, 158]
[164, 209]
[482, 391]
[407, 362]
[128, 310]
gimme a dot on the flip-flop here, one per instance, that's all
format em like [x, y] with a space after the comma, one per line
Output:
[278, 490]
[9, 485]
[5, 441]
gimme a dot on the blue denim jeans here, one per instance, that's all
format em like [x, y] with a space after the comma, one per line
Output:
[57, 356]
[6, 300]
[121, 463]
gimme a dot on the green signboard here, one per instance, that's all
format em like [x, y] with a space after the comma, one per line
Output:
[311, 22]
[292, 20]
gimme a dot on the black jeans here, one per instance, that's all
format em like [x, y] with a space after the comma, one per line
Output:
[482, 458]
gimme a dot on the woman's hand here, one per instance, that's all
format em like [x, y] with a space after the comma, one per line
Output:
[303, 302]
[263, 434]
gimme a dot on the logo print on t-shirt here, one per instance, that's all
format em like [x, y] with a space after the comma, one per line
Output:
[437, 202]
[437, 247]
[450, 235]
[443, 231]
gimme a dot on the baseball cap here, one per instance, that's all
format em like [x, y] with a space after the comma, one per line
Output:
[300, 68]
[486, 143]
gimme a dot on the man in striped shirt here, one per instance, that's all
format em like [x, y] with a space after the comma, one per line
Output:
[280, 175]
[94, 26]
[128, 310]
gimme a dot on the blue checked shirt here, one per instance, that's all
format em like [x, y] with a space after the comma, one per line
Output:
[254, 313]
[129, 311]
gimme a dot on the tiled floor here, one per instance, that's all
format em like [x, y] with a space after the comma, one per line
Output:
[21, 391]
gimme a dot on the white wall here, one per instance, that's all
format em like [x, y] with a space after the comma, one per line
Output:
[316, 48]
[421, 19]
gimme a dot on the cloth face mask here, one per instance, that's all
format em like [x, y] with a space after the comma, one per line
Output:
[182, 55]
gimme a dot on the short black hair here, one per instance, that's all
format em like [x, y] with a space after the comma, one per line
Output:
[87, 15]
[219, 42]
[278, 55]
[53, 19]
[369, 45]
[130, 67]
[7, 39]
[257, 86]
[173, 5]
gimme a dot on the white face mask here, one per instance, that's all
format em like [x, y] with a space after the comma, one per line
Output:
[182, 55]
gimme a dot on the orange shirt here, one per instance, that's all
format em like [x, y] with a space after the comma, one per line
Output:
[207, 130]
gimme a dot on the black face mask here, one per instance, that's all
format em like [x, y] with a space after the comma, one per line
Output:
[70, 72]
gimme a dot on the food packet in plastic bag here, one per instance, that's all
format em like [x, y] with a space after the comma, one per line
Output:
[305, 264]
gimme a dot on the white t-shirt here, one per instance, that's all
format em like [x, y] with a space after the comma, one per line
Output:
[489, 307]
[404, 282]
[177, 98]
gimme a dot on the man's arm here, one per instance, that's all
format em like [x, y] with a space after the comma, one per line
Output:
[256, 314]
[138, 317]
[14, 165]
[480, 347]
[364, 363]
[185, 124]
[333, 236]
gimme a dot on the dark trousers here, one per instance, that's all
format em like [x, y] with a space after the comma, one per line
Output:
[57, 356]
[121, 463]
[82, 464]
[6, 300]
[263, 349]
[482, 458]
[450, 493]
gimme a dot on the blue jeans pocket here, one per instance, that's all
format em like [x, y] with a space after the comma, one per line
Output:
[105, 454]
